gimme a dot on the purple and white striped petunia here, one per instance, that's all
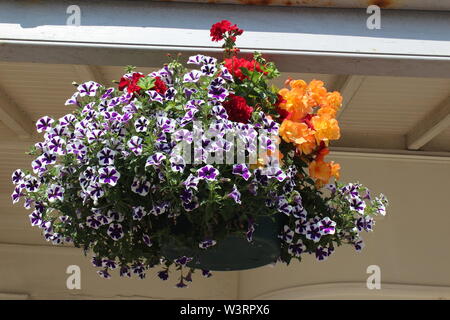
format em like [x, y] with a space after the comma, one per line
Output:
[321, 253]
[218, 93]
[327, 226]
[182, 261]
[283, 206]
[235, 195]
[17, 194]
[296, 249]
[44, 124]
[56, 145]
[115, 231]
[155, 159]
[208, 70]
[106, 156]
[55, 192]
[73, 100]
[155, 96]
[92, 222]
[177, 163]
[288, 235]
[141, 124]
[88, 88]
[140, 186]
[192, 76]
[67, 120]
[138, 213]
[365, 223]
[208, 172]
[358, 205]
[17, 176]
[108, 175]
[35, 218]
[197, 59]
[313, 232]
[225, 74]
[32, 184]
[207, 243]
[125, 271]
[135, 145]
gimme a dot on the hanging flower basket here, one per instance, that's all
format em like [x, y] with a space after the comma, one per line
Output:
[199, 165]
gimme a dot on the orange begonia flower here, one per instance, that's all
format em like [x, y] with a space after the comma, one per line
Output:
[325, 128]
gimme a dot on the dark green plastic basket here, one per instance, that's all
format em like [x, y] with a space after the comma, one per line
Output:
[235, 252]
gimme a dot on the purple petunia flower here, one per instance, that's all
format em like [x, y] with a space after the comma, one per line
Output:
[365, 223]
[55, 192]
[206, 273]
[241, 170]
[235, 195]
[218, 93]
[192, 76]
[106, 157]
[177, 163]
[73, 100]
[296, 249]
[208, 70]
[17, 176]
[125, 271]
[138, 213]
[56, 145]
[208, 172]
[141, 124]
[163, 275]
[115, 231]
[135, 145]
[321, 253]
[287, 235]
[155, 159]
[155, 96]
[31, 183]
[300, 226]
[140, 186]
[95, 191]
[313, 232]
[197, 59]
[108, 263]
[359, 245]
[88, 88]
[104, 274]
[108, 175]
[182, 261]
[44, 124]
[94, 135]
[92, 222]
[327, 226]
[358, 205]
[283, 206]
[207, 243]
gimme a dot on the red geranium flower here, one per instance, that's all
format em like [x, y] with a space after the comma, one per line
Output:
[160, 86]
[218, 30]
[131, 83]
[234, 65]
[237, 109]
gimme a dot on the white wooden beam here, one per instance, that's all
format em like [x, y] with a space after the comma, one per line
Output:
[430, 126]
[12, 116]
[348, 86]
[142, 32]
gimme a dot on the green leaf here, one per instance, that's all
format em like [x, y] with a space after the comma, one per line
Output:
[146, 83]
